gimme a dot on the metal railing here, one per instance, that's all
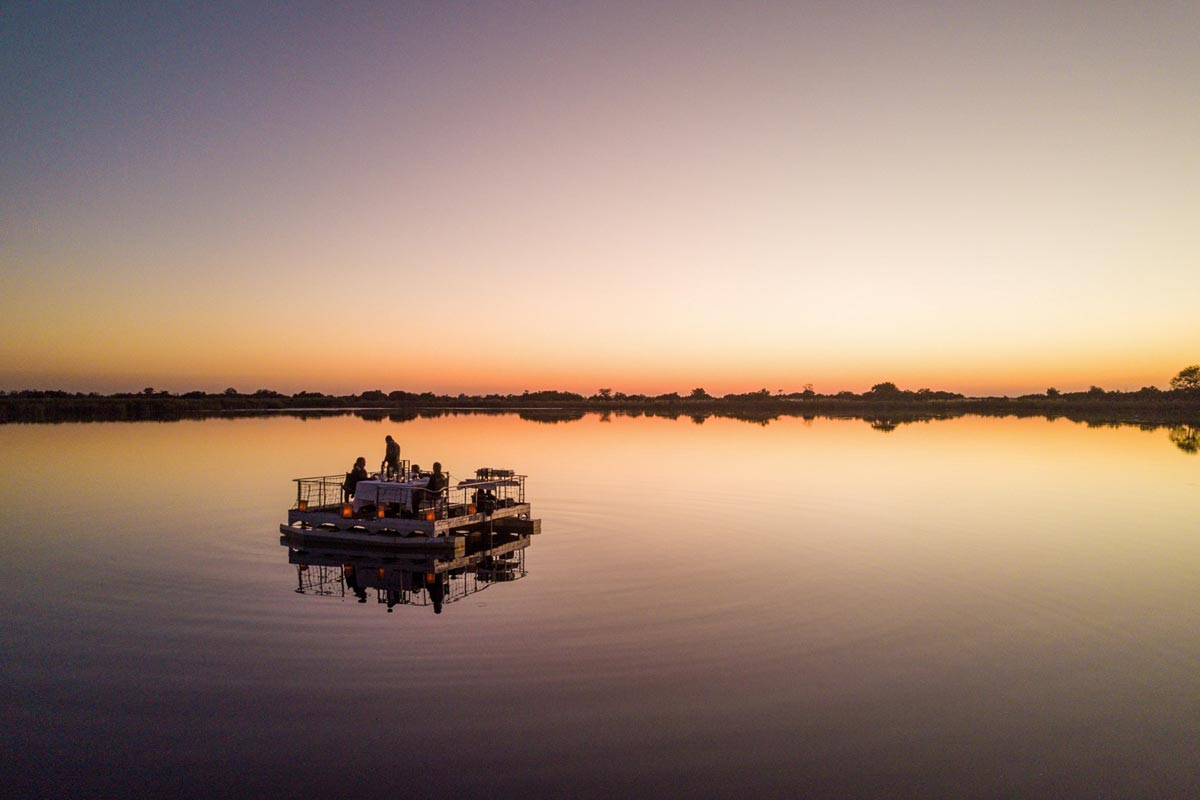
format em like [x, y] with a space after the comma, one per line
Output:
[492, 488]
[323, 491]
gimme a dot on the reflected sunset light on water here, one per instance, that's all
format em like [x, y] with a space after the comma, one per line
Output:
[840, 596]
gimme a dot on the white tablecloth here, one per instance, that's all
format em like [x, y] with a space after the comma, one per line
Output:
[368, 493]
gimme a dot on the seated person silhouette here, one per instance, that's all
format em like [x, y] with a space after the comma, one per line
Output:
[433, 490]
[359, 473]
[485, 500]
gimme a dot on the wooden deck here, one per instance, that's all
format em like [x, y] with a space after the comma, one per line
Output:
[331, 517]
[424, 561]
[327, 526]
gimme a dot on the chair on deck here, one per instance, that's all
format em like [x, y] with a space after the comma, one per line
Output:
[424, 499]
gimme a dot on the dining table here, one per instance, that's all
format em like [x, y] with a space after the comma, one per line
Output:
[374, 491]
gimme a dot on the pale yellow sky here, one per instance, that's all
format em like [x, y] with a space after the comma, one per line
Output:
[648, 197]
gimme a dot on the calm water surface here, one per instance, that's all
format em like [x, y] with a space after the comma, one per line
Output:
[974, 607]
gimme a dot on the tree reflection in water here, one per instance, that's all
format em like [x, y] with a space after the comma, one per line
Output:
[1186, 438]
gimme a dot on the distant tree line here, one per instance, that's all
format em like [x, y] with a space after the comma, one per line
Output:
[883, 401]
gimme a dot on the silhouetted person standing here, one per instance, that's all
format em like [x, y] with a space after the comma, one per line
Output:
[391, 457]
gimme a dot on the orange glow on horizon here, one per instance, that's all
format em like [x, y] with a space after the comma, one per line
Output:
[389, 372]
[684, 216]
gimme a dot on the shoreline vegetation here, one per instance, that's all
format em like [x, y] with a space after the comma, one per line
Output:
[885, 404]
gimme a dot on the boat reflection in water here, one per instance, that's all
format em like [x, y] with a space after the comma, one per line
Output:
[428, 579]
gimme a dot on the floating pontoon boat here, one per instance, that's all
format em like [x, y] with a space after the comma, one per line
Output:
[399, 512]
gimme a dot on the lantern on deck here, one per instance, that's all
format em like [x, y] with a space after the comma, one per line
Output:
[302, 505]
[347, 511]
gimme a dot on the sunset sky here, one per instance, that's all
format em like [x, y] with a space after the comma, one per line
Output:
[491, 197]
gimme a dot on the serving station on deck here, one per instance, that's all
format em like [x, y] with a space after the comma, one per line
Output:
[401, 513]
